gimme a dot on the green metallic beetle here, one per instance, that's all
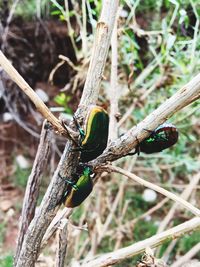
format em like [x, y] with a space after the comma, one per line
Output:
[163, 137]
[94, 135]
[79, 189]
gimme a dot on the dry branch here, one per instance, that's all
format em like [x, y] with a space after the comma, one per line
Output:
[157, 188]
[185, 195]
[62, 235]
[99, 53]
[137, 248]
[65, 213]
[33, 184]
[189, 255]
[47, 210]
[114, 90]
[123, 145]
[69, 160]
[41, 107]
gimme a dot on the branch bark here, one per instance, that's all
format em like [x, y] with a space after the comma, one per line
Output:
[62, 235]
[99, 52]
[33, 184]
[114, 90]
[65, 213]
[47, 210]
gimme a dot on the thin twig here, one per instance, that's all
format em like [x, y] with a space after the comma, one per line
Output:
[66, 15]
[114, 90]
[84, 30]
[41, 107]
[99, 53]
[65, 213]
[9, 19]
[53, 71]
[158, 189]
[190, 254]
[17, 118]
[33, 184]
[185, 195]
[62, 243]
[110, 216]
[69, 62]
[149, 212]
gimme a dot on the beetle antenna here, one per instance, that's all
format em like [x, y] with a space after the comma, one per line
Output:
[70, 136]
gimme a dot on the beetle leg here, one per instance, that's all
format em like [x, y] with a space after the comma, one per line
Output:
[81, 131]
[48, 125]
[131, 153]
[71, 183]
[137, 149]
[77, 149]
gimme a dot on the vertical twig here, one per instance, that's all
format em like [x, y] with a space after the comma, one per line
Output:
[62, 243]
[33, 184]
[84, 29]
[65, 213]
[195, 38]
[9, 19]
[114, 93]
[99, 53]
[69, 26]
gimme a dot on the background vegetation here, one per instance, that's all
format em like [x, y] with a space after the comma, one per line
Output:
[158, 52]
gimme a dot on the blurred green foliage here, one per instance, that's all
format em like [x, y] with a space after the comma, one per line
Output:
[2, 231]
[187, 242]
[21, 176]
[62, 99]
[31, 9]
[6, 261]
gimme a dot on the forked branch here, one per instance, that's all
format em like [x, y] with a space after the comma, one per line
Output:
[47, 210]
[123, 145]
